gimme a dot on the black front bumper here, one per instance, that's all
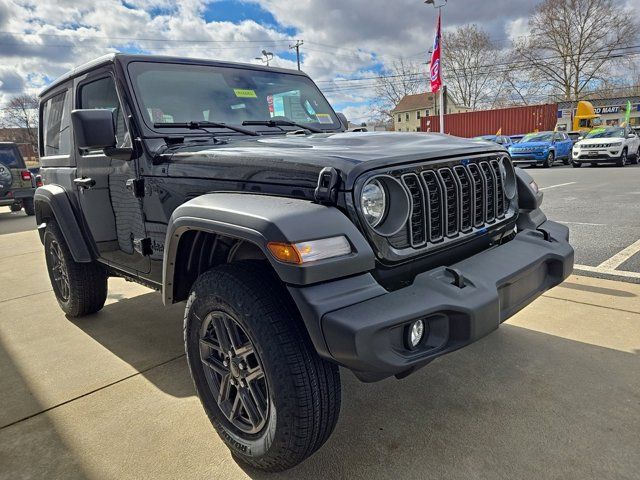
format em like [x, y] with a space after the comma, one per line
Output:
[362, 326]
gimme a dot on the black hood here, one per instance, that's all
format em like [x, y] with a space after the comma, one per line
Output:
[298, 159]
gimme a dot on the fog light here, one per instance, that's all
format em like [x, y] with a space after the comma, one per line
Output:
[415, 332]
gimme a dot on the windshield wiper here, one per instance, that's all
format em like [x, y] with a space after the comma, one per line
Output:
[204, 125]
[281, 123]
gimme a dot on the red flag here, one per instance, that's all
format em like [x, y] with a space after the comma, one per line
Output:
[434, 72]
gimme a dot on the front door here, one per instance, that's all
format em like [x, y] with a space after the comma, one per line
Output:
[112, 213]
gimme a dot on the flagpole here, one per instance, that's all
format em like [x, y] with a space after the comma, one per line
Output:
[441, 76]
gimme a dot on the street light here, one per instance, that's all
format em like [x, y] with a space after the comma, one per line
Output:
[266, 57]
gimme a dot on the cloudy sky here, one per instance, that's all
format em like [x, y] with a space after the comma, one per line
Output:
[41, 39]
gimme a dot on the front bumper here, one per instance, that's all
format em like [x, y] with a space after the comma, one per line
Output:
[362, 324]
[529, 158]
[604, 156]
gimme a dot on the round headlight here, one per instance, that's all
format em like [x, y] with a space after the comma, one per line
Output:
[509, 181]
[374, 202]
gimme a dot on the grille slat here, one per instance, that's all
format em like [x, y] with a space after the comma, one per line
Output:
[500, 198]
[490, 208]
[417, 220]
[466, 189]
[451, 195]
[435, 205]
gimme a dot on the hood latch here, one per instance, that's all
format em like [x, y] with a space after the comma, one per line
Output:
[328, 182]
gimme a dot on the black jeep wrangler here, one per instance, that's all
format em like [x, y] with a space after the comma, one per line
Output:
[298, 247]
[17, 183]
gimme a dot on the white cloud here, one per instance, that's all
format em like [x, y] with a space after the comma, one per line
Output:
[41, 39]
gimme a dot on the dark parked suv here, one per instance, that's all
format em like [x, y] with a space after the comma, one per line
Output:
[17, 183]
[297, 247]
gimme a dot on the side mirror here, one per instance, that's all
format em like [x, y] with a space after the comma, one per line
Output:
[343, 119]
[93, 129]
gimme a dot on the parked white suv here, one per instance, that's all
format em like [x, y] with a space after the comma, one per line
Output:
[619, 145]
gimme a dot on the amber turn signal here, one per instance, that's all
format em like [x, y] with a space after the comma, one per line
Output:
[284, 252]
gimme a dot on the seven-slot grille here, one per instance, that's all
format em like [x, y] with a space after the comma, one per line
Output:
[449, 201]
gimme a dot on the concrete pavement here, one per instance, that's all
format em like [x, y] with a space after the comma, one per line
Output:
[554, 393]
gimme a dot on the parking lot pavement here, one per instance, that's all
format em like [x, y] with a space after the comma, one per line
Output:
[601, 206]
[554, 393]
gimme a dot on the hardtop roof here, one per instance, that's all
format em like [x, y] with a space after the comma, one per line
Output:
[125, 58]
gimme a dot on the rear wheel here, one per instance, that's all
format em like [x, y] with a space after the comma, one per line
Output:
[636, 158]
[80, 288]
[622, 161]
[549, 161]
[576, 164]
[28, 206]
[15, 207]
[566, 161]
[268, 394]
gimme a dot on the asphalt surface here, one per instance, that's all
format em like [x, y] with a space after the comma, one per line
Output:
[601, 206]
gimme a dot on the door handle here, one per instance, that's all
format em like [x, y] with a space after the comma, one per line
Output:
[84, 182]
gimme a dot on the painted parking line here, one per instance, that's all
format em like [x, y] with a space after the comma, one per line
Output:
[558, 185]
[583, 223]
[621, 257]
[607, 271]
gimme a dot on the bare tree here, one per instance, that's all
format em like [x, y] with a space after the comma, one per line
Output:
[22, 112]
[572, 44]
[467, 59]
[400, 79]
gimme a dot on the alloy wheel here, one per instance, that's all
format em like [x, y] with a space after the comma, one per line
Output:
[234, 372]
[59, 271]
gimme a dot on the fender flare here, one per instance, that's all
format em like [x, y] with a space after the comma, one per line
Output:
[55, 198]
[261, 219]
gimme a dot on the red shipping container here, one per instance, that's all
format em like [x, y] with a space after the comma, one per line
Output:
[512, 121]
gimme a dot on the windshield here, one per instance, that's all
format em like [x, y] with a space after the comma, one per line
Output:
[538, 137]
[174, 93]
[490, 138]
[9, 157]
[606, 133]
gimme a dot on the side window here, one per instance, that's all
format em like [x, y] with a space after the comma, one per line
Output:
[406, 116]
[399, 118]
[56, 120]
[418, 115]
[101, 94]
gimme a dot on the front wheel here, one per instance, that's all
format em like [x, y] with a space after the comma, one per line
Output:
[622, 161]
[636, 158]
[270, 397]
[549, 161]
[80, 288]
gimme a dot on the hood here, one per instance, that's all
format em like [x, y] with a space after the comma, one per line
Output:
[531, 145]
[599, 141]
[298, 159]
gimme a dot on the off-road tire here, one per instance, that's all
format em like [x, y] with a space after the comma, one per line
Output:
[29, 207]
[87, 282]
[548, 163]
[303, 389]
[622, 161]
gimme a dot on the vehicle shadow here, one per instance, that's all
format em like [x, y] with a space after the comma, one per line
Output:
[142, 332]
[15, 222]
[57, 458]
[517, 404]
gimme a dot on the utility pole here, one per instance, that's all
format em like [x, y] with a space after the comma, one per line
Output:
[297, 46]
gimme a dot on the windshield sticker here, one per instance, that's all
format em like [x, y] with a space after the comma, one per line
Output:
[238, 106]
[597, 130]
[245, 93]
[324, 118]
